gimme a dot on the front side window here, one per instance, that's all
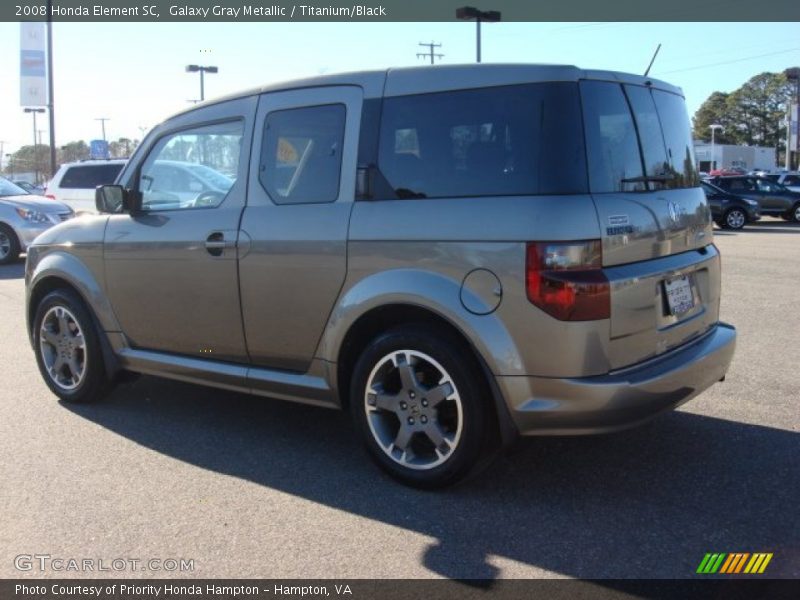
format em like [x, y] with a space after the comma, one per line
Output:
[764, 185]
[497, 141]
[192, 168]
[301, 154]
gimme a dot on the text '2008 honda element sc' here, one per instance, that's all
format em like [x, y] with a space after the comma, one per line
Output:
[456, 254]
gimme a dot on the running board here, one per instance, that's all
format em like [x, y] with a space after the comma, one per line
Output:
[307, 388]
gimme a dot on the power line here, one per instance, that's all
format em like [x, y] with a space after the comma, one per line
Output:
[430, 52]
[729, 62]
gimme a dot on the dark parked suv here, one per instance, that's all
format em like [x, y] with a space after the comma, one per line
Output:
[730, 211]
[456, 254]
[773, 198]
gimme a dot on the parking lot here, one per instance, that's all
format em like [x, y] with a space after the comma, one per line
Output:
[253, 488]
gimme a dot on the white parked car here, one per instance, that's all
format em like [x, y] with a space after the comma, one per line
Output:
[24, 216]
[790, 180]
[74, 183]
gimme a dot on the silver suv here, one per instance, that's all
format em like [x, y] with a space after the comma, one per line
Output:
[457, 255]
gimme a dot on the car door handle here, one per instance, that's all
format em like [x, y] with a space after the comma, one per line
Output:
[216, 243]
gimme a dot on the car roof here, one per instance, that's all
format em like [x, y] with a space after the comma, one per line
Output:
[95, 161]
[413, 80]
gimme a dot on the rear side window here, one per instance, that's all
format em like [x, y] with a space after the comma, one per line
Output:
[615, 164]
[301, 154]
[499, 141]
[651, 138]
[677, 137]
[738, 184]
[791, 180]
[637, 138]
[90, 176]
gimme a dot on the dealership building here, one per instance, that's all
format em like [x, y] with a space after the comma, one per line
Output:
[720, 156]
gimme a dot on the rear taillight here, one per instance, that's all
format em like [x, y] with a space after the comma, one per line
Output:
[566, 280]
[51, 196]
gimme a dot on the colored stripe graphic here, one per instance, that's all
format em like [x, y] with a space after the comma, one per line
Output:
[711, 563]
[734, 563]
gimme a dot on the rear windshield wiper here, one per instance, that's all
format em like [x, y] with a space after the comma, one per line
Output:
[648, 179]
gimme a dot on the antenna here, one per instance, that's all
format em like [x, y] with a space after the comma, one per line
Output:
[652, 60]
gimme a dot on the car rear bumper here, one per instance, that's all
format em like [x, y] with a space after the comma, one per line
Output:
[620, 399]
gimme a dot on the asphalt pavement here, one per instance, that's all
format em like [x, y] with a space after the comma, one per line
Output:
[249, 487]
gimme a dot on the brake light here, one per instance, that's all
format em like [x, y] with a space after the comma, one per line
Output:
[566, 280]
[51, 196]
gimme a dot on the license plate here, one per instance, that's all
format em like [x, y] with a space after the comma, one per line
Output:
[679, 295]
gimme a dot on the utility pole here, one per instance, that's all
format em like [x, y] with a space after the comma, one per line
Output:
[430, 52]
[103, 123]
[2, 144]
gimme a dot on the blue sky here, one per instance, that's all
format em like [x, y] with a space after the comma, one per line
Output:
[133, 73]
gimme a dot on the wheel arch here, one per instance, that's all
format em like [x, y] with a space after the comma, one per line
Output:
[381, 318]
[48, 276]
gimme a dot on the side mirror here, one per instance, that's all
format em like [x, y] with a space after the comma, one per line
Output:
[114, 199]
[109, 198]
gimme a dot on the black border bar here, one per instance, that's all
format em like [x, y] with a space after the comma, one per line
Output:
[398, 10]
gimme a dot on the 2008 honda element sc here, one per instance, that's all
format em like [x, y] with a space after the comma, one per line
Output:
[456, 254]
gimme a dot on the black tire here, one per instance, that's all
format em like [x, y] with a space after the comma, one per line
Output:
[465, 452]
[9, 245]
[93, 385]
[793, 215]
[734, 218]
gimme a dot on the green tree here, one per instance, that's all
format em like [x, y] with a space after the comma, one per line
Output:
[754, 114]
[122, 148]
[73, 151]
[29, 159]
[714, 111]
[758, 110]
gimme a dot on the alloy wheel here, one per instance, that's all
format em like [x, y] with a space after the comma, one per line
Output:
[5, 245]
[413, 409]
[63, 348]
[735, 219]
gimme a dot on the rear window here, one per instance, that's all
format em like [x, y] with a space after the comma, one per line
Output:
[90, 176]
[637, 139]
[499, 141]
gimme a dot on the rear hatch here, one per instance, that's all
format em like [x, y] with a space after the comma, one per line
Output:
[654, 218]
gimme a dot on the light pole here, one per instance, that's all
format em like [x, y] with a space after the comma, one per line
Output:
[50, 101]
[35, 149]
[203, 70]
[792, 74]
[469, 13]
[103, 125]
[714, 127]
